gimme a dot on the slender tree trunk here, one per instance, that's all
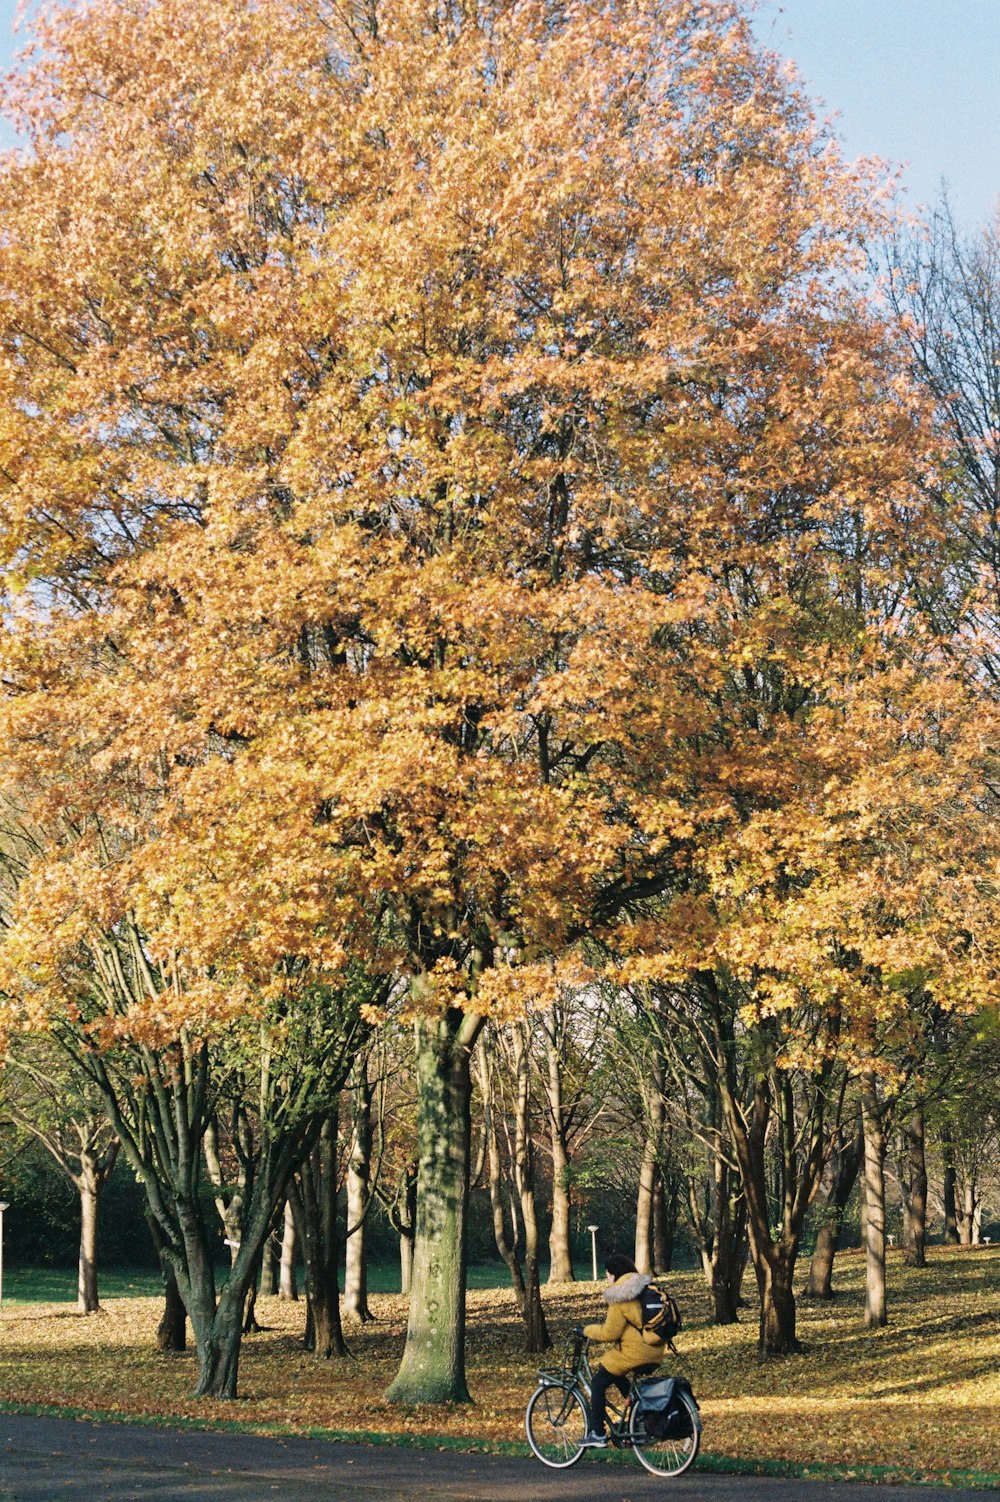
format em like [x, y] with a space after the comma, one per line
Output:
[271, 1270]
[914, 1180]
[536, 1331]
[504, 1243]
[729, 1253]
[433, 1365]
[358, 1191]
[874, 1180]
[967, 1213]
[287, 1285]
[406, 1226]
[314, 1204]
[948, 1190]
[560, 1250]
[86, 1287]
[642, 1251]
[652, 1090]
[251, 1324]
[847, 1159]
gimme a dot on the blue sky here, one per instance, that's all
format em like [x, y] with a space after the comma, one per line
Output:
[913, 81]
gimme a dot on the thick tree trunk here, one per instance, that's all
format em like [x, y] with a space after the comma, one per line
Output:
[219, 1349]
[358, 1191]
[433, 1365]
[287, 1284]
[216, 1324]
[664, 1224]
[948, 1189]
[171, 1332]
[86, 1286]
[777, 1302]
[914, 1180]
[846, 1167]
[874, 1199]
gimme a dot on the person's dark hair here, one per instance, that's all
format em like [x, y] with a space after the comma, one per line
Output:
[618, 1265]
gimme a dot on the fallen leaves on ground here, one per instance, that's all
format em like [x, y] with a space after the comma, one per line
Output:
[919, 1395]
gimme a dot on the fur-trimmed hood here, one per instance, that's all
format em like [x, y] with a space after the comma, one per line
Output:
[623, 1290]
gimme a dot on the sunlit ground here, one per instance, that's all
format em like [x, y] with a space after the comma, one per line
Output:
[921, 1395]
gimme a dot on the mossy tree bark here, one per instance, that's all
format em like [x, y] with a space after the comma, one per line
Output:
[433, 1365]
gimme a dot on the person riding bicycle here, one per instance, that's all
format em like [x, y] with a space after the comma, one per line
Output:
[631, 1354]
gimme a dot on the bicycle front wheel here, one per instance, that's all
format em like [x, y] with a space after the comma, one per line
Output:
[672, 1455]
[556, 1423]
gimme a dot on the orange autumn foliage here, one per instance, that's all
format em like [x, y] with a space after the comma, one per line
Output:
[416, 421]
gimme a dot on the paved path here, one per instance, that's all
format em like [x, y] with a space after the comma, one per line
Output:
[45, 1460]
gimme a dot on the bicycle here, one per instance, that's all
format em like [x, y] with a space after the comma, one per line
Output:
[558, 1413]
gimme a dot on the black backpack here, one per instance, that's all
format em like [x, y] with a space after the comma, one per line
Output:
[661, 1318]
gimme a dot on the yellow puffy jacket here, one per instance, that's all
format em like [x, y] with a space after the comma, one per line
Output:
[623, 1328]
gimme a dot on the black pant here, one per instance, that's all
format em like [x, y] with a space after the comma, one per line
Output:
[603, 1379]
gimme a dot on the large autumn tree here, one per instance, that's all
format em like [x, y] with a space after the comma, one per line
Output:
[395, 398]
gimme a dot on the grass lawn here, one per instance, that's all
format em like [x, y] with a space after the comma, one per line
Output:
[57, 1285]
[919, 1397]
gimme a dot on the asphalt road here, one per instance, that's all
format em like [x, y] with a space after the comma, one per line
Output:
[46, 1460]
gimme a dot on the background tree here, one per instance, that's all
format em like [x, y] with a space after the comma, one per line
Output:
[46, 1098]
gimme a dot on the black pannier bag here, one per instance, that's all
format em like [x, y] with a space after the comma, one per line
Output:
[663, 1413]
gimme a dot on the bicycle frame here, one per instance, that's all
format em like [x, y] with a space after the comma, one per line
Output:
[578, 1376]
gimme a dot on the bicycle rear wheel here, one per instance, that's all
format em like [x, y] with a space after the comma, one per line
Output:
[556, 1423]
[670, 1456]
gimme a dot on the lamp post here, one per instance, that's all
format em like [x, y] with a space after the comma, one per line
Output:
[3, 1206]
[593, 1247]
